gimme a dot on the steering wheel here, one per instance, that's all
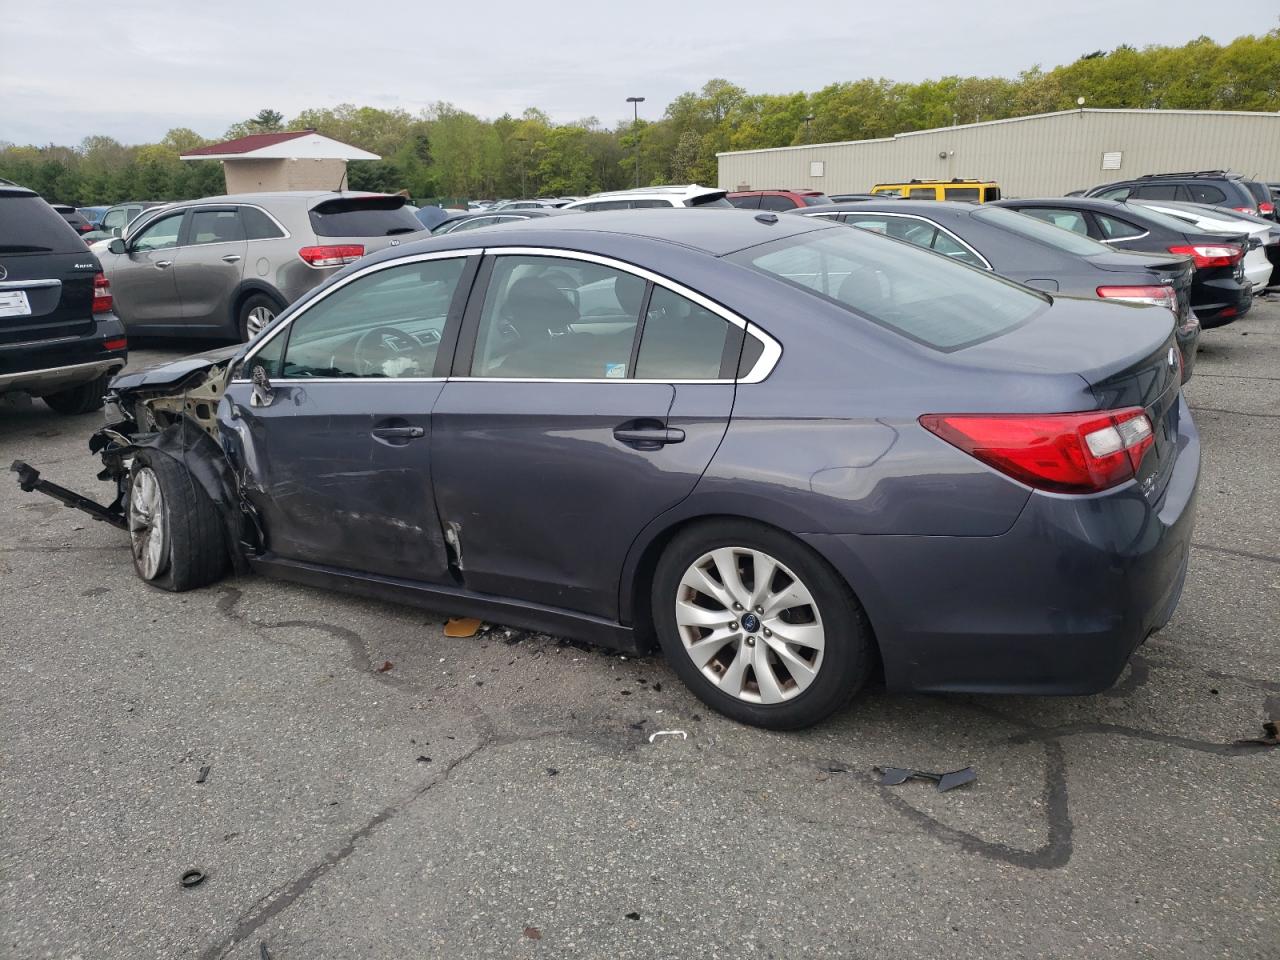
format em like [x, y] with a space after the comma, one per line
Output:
[390, 342]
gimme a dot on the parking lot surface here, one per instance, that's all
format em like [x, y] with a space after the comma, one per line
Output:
[377, 790]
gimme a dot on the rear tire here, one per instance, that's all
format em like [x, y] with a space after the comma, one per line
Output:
[759, 626]
[256, 313]
[175, 532]
[85, 398]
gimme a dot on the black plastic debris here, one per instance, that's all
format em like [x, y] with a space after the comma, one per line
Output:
[892, 776]
[424, 760]
[1272, 739]
[204, 774]
[192, 878]
[633, 915]
[263, 952]
[552, 771]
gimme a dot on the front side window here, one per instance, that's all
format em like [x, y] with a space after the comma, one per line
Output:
[115, 219]
[992, 194]
[681, 340]
[385, 324]
[916, 294]
[553, 318]
[160, 235]
[215, 226]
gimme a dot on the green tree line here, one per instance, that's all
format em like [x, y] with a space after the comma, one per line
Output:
[445, 151]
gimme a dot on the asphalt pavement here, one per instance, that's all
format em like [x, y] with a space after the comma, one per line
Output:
[375, 789]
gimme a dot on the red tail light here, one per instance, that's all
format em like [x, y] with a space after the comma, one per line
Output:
[1244, 209]
[1161, 296]
[1060, 452]
[101, 294]
[1266, 209]
[337, 255]
[115, 343]
[1210, 254]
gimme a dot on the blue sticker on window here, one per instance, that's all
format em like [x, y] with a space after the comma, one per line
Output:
[615, 371]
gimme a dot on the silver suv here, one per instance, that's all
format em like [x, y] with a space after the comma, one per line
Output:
[225, 266]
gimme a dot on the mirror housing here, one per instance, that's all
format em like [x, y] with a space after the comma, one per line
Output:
[116, 246]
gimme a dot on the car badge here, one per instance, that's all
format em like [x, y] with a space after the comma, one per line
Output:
[395, 243]
[3, 271]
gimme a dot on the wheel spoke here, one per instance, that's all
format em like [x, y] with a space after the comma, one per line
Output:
[697, 579]
[732, 680]
[701, 651]
[726, 561]
[810, 635]
[799, 668]
[792, 595]
[691, 615]
[770, 689]
[763, 568]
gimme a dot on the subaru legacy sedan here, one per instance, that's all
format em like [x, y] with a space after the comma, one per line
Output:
[786, 453]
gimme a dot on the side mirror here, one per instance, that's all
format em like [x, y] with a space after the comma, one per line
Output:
[116, 246]
[263, 393]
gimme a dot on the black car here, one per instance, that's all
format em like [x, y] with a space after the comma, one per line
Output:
[1219, 291]
[475, 219]
[1218, 188]
[78, 221]
[59, 338]
[1032, 253]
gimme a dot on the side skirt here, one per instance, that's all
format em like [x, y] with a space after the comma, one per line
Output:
[456, 601]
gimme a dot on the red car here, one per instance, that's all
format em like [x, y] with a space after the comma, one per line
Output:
[777, 199]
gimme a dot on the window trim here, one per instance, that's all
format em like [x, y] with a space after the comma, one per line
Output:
[281, 330]
[914, 216]
[769, 356]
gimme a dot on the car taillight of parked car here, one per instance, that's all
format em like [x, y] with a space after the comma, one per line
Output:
[1266, 209]
[101, 294]
[1210, 254]
[115, 343]
[1058, 452]
[1159, 296]
[336, 255]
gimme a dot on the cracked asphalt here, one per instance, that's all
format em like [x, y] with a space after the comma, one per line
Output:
[498, 796]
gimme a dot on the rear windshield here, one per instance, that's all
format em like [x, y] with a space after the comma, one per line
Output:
[1259, 191]
[1046, 233]
[918, 294]
[29, 225]
[363, 217]
[812, 200]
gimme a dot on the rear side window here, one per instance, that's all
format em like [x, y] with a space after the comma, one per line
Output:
[1202, 193]
[607, 205]
[1039, 231]
[650, 204]
[215, 226]
[922, 193]
[815, 200]
[964, 194]
[363, 217]
[1114, 229]
[1157, 191]
[29, 225]
[914, 293]
[1066, 219]
[774, 202]
[258, 226]
[749, 202]
[680, 340]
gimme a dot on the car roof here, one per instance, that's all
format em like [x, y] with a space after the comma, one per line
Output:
[715, 232]
[16, 191]
[1085, 203]
[265, 196]
[946, 207]
[685, 189]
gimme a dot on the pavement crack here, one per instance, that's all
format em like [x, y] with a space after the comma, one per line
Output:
[1237, 413]
[1248, 555]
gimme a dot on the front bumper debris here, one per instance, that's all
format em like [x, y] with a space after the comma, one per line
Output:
[29, 480]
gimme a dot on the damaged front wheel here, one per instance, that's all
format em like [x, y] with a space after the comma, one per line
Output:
[175, 533]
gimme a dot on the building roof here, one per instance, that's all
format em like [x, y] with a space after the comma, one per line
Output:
[290, 145]
[992, 123]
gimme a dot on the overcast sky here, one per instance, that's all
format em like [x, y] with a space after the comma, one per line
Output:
[132, 69]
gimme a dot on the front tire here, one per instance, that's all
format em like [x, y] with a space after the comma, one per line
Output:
[175, 533]
[84, 398]
[758, 626]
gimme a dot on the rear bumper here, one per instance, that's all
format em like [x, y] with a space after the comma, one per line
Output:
[47, 366]
[1220, 301]
[1054, 606]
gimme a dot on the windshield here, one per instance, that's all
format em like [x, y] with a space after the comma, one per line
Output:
[1057, 237]
[916, 293]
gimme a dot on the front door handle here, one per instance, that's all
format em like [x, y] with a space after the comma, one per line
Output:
[647, 435]
[398, 434]
[231, 258]
[162, 264]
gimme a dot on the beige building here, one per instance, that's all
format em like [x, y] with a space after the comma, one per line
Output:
[1047, 154]
[295, 160]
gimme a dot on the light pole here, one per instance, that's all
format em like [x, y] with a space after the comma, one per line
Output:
[524, 183]
[635, 131]
[807, 120]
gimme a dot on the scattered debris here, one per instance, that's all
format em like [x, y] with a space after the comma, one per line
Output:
[892, 776]
[424, 760]
[192, 878]
[657, 687]
[263, 953]
[552, 771]
[533, 933]
[625, 693]
[1272, 738]
[386, 665]
[832, 766]
[633, 915]
[462, 627]
[204, 774]
[668, 733]
[638, 725]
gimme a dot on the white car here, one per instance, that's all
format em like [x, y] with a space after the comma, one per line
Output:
[689, 195]
[1257, 264]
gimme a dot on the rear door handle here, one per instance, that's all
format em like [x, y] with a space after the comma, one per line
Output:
[398, 433]
[648, 438]
[161, 264]
[231, 258]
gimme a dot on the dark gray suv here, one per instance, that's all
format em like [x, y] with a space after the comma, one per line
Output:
[225, 266]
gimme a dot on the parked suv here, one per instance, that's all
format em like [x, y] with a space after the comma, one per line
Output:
[225, 266]
[777, 199]
[965, 191]
[115, 219]
[78, 221]
[58, 337]
[1217, 188]
[690, 195]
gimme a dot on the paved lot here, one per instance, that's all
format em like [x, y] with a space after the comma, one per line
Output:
[492, 798]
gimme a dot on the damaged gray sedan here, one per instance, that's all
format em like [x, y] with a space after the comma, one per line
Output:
[790, 454]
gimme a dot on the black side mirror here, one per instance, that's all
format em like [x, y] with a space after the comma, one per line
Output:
[116, 246]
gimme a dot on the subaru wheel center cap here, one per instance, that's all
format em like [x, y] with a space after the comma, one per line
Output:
[750, 623]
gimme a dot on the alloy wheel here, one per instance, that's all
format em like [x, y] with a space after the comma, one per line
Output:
[750, 625]
[258, 319]
[148, 534]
